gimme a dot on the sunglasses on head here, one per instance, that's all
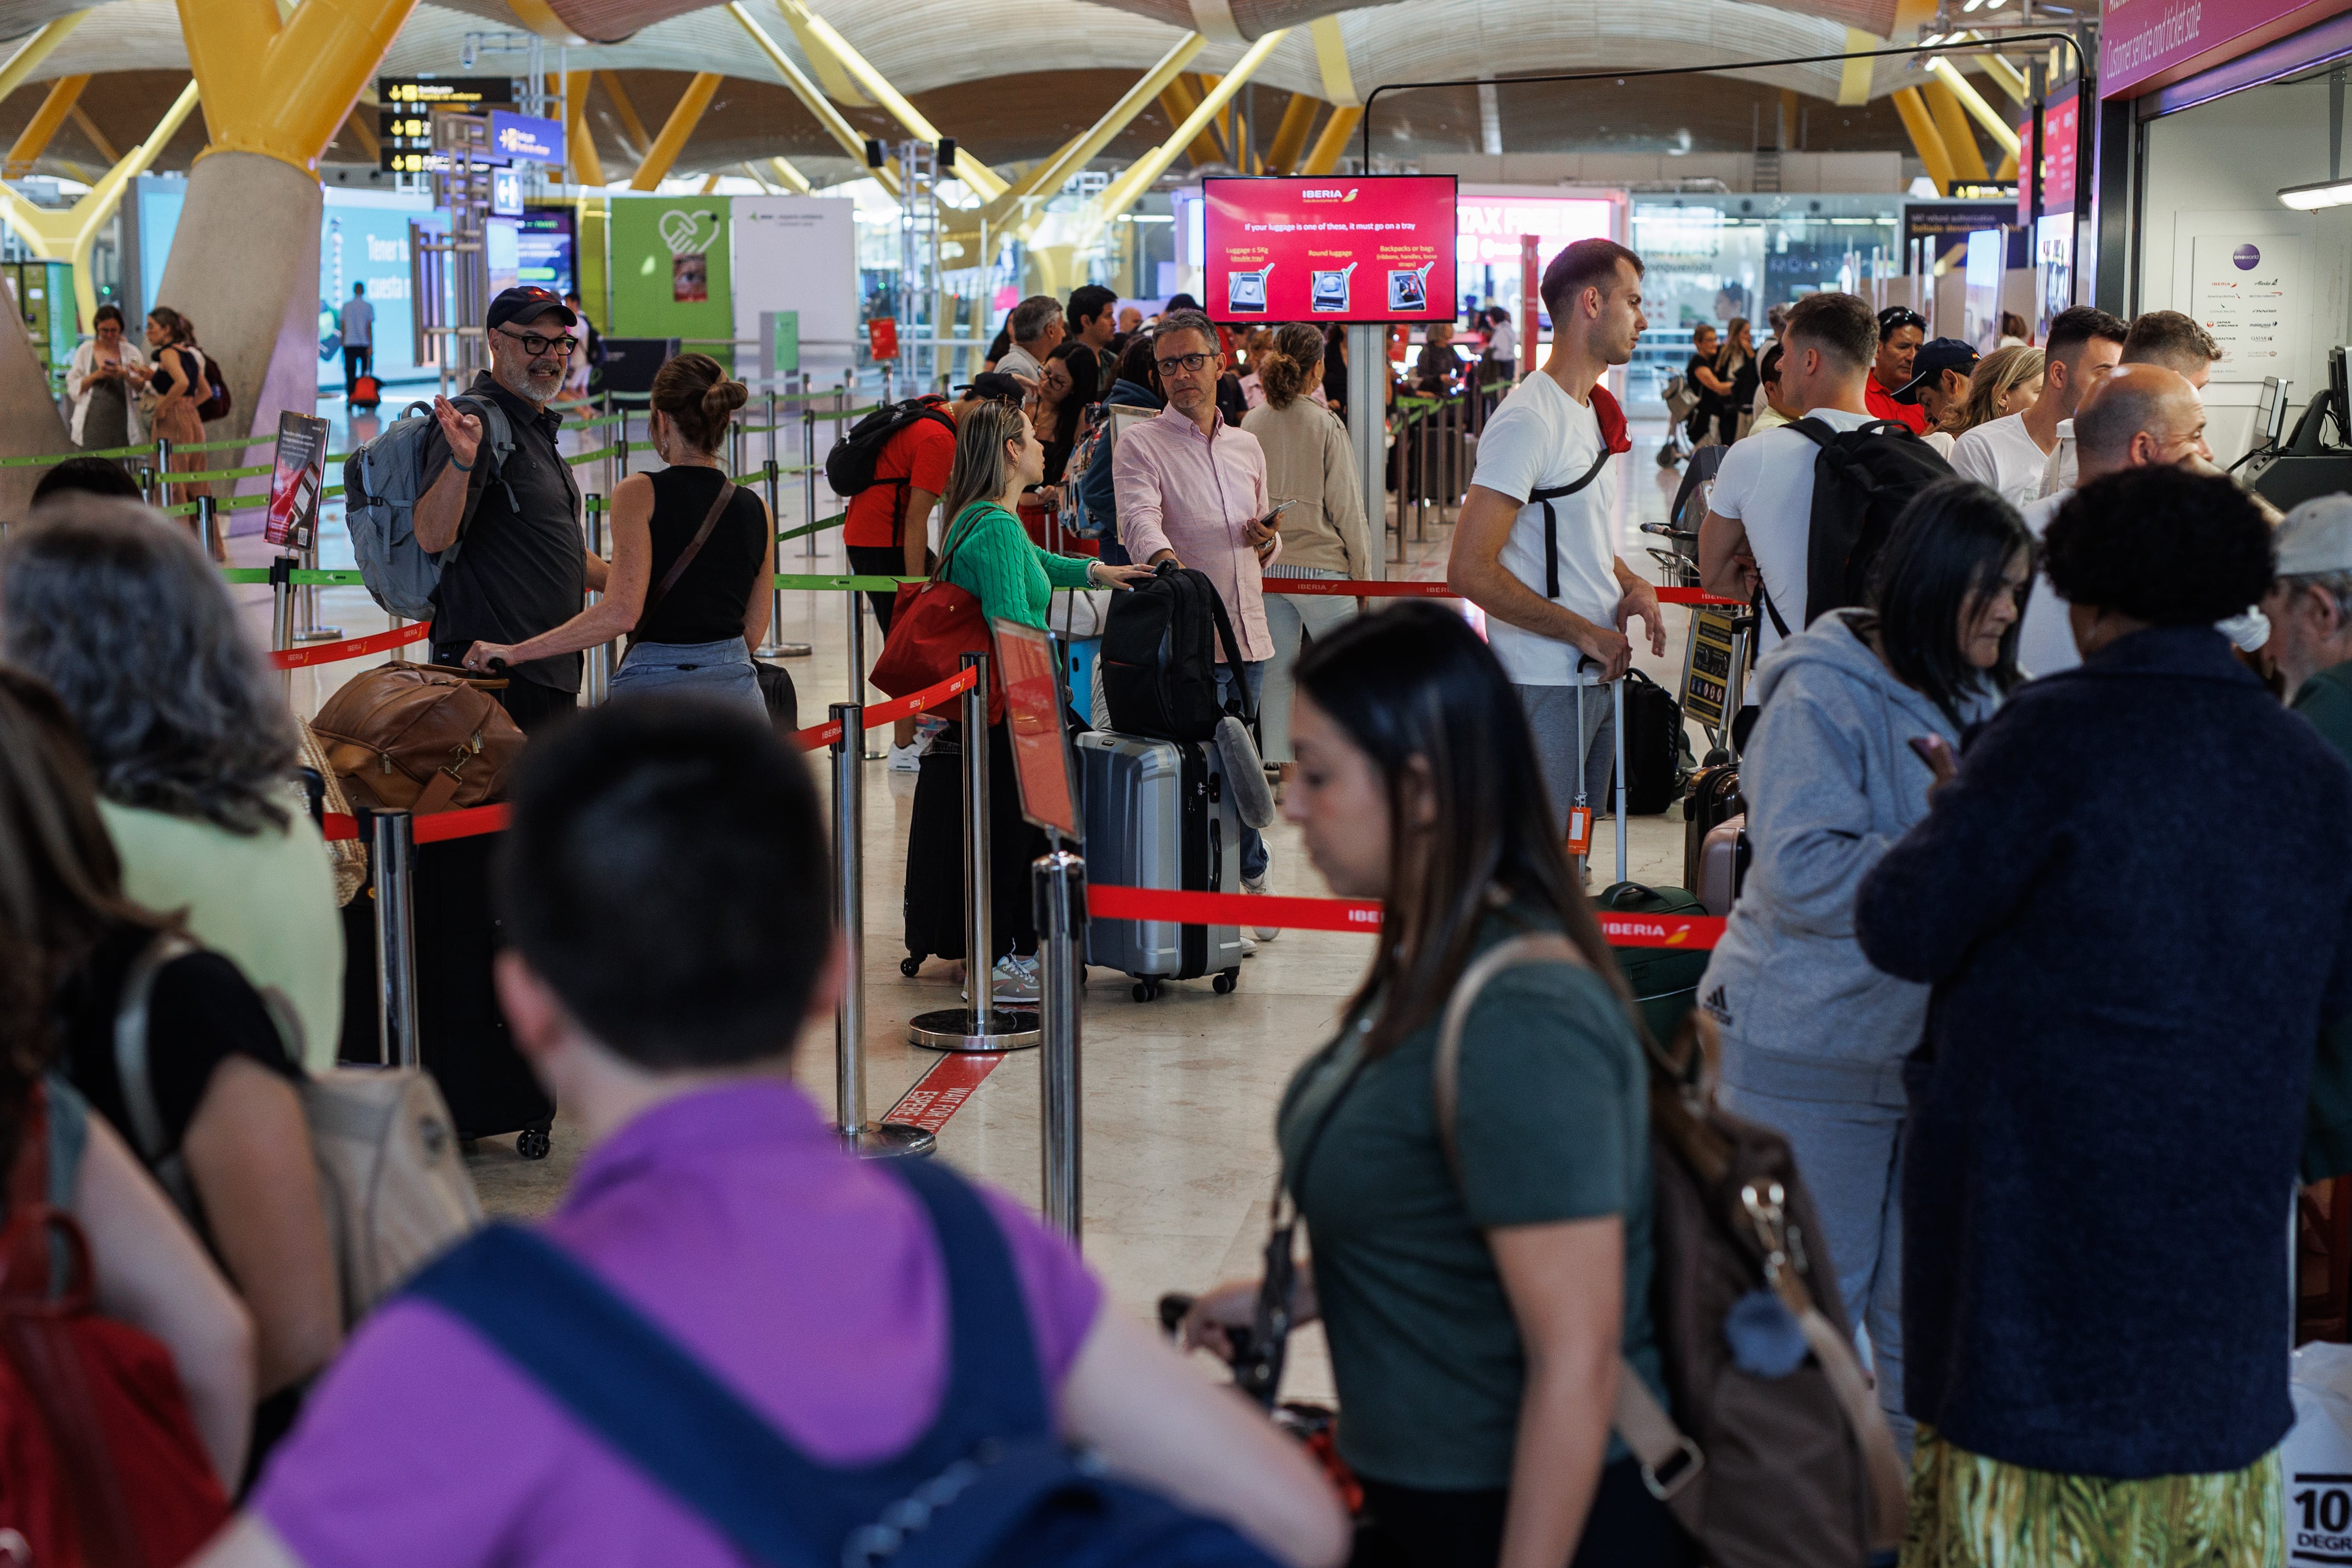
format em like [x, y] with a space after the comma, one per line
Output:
[1900, 316]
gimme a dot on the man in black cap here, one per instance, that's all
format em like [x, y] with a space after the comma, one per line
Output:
[1939, 387]
[523, 568]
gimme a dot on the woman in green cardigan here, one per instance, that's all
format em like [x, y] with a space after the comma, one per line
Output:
[985, 551]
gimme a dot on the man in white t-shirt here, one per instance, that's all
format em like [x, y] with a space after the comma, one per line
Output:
[2136, 417]
[1558, 619]
[2009, 454]
[1760, 518]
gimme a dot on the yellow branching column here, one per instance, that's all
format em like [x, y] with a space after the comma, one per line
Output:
[243, 265]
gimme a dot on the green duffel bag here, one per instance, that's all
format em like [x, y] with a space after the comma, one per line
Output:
[1664, 980]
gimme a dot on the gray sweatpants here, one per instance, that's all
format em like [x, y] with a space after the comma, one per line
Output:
[1552, 716]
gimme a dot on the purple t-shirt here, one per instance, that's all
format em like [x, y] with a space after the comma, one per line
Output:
[807, 1281]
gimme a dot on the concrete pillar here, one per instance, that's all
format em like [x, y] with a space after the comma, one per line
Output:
[29, 424]
[243, 269]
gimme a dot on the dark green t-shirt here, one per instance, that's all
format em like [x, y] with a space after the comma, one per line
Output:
[1554, 1125]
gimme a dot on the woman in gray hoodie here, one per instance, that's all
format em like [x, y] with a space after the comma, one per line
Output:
[1813, 1038]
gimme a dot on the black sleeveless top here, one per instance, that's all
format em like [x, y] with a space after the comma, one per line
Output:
[706, 604]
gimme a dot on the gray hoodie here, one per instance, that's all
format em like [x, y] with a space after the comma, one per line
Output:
[1830, 782]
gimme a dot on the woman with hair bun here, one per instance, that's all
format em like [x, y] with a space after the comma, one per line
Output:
[693, 555]
[1309, 467]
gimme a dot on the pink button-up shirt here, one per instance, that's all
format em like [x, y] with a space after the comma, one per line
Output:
[1194, 494]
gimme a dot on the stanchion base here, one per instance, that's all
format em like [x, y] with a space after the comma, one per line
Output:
[320, 634]
[950, 1029]
[783, 650]
[895, 1139]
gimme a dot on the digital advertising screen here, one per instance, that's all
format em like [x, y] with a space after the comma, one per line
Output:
[1033, 711]
[1377, 247]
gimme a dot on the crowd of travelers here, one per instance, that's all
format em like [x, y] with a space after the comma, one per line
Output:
[2049, 1054]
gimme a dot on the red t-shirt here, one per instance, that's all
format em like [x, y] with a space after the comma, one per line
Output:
[922, 454]
[1882, 405]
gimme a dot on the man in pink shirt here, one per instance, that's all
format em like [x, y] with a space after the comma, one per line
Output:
[1192, 490]
[665, 895]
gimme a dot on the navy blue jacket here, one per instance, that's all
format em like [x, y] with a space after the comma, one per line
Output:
[2135, 905]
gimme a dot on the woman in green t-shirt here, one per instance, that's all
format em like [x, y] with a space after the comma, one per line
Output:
[1477, 1321]
[985, 551]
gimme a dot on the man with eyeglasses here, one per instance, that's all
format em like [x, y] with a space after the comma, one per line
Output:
[1901, 331]
[523, 569]
[1192, 490]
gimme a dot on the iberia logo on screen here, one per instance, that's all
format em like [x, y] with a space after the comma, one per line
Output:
[1328, 195]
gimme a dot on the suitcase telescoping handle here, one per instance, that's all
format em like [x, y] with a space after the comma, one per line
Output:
[1617, 696]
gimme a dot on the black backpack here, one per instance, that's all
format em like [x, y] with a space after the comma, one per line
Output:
[1657, 749]
[1160, 657]
[849, 467]
[1862, 478]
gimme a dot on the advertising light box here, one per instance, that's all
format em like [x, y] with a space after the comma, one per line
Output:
[1366, 248]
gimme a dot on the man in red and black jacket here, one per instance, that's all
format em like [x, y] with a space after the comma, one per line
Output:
[886, 531]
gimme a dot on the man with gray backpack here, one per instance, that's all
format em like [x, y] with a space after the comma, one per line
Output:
[470, 517]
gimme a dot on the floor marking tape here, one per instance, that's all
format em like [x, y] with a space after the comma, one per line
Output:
[939, 1093]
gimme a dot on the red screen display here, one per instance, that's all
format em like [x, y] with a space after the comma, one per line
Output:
[1362, 249]
[1032, 715]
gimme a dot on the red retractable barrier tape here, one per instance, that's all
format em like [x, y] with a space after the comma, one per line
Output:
[1349, 588]
[1694, 931]
[353, 647]
[817, 737]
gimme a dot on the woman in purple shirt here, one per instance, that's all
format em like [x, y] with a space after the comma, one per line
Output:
[665, 893]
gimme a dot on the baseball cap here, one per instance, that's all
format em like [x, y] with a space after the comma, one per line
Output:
[994, 386]
[2316, 537]
[1935, 357]
[528, 303]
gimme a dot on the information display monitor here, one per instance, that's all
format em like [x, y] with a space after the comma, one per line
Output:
[1033, 716]
[1376, 247]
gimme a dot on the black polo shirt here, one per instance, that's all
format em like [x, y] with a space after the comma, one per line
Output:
[523, 567]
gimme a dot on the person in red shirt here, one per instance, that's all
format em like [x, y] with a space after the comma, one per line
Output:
[886, 531]
[1901, 331]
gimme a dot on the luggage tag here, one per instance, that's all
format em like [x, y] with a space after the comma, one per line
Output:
[1580, 831]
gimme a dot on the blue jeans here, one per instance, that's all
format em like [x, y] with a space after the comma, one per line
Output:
[1255, 855]
[721, 670]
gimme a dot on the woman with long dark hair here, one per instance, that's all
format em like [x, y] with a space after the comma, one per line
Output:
[1070, 385]
[1477, 1317]
[177, 385]
[1814, 1036]
[1734, 366]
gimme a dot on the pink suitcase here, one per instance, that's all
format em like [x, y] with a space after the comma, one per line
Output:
[1723, 864]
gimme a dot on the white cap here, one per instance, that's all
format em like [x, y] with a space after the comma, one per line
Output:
[2316, 537]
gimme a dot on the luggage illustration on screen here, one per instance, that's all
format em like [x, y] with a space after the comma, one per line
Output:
[1408, 287]
[1330, 287]
[1245, 291]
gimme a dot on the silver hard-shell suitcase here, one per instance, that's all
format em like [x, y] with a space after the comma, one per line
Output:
[1157, 815]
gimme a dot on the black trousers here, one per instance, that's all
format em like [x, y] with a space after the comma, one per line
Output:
[934, 903]
[880, 560]
[357, 362]
[1407, 1526]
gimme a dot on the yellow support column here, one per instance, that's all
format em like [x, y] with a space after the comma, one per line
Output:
[812, 99]
[35, 50]
[1140, 174]
[1290, 136]
[33, 140]
[280, 90]
[1054, 172]
[982, 180]
[639, 136]
[1965, 92]
[676, 130]
[1332, 145]
[1178, 100]
[578, 142]
[1952, 124]
[1925, 138]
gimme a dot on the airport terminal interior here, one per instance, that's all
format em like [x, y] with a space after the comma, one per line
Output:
[1770, 1248]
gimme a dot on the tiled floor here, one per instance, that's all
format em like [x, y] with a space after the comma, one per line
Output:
[1179, 1094]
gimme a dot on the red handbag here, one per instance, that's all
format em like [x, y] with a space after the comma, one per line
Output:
[932, 625]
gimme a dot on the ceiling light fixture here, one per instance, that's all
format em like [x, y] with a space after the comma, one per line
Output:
[2311, 198]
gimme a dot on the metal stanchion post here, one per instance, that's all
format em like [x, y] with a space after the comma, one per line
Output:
[861, 1136]
[391, 865]
[163, 468]
[980, 1025]
[208, 527]
[1061, 881]
[775, 646]
[281, 615]
[857, 662]
[310, 630]
[621, 446]
[147, 485]
[808, 462]
[597, 681]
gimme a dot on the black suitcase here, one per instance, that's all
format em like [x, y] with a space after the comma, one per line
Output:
[1714, 797]
[1657, 747]
[934, 897]
[461, 1034]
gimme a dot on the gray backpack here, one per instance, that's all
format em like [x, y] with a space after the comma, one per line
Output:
[383, 481]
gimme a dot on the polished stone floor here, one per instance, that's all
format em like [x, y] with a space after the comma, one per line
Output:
[1178, 1094]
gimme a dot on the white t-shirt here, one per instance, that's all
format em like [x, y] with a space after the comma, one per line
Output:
[1502, 341]
[2002, 455]
[2058, 471]
[2045, 643]
[1767, 484]
[1541, 438]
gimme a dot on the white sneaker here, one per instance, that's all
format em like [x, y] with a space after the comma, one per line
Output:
[906, 759]
[1249, 946]
[1017, 980]
[1265, 933]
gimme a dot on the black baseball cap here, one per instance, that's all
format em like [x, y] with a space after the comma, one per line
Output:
[1894, 318]
[528, 304]
[1935, 357]
[994, 386]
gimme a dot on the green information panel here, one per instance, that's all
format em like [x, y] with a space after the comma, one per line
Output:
[671, 276]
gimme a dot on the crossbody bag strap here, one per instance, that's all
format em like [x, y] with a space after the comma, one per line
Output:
[133, 1065]
[1643, 1423]
[1233, 647]
[727, 488]
[1544, 498]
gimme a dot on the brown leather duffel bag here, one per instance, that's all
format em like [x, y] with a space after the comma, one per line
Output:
[420, 736]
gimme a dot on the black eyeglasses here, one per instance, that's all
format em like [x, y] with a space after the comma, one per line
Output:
[1187, 363]
[532, 343]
